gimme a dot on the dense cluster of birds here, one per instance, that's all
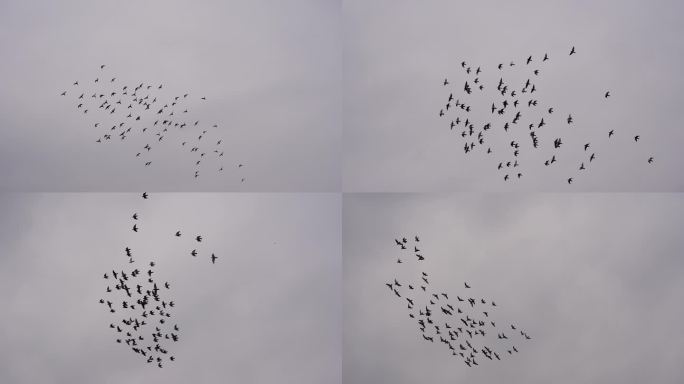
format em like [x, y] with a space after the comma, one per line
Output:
[465, 324]
[141, 306]
[514, 110]
[123, 111]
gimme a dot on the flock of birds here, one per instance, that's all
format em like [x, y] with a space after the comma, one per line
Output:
[514, 111]
[127, 110]
[463, 323]
[140, 303]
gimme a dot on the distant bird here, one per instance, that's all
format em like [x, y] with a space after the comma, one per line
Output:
[607, 94]
[144, 195]
[198, 238]
[572, 51]
[610, 133]
[636, 138]
[650, 160]
[135, 228]
[213, 258]
[178, 233]
[466, 285]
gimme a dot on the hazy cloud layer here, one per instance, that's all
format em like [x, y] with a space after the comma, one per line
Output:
[397, 53]
[268, 311]
[270, 71]
[596, 280]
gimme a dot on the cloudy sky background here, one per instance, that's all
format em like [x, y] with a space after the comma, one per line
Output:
[268, 311]
[595, 279]
[270, 71]
[397, 53]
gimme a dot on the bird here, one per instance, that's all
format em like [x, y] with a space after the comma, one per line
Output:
[194, 252]
[466, 285]
[135, 228]
[144, 195]
[650, 160]
[198, 238]
[636, 138]
[606, 95]
[570, 180]
[572, 51]
[178, 233]
[213, 258]
[610, 133]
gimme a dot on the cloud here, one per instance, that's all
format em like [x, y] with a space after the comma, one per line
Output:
[268, 310]
[398, 53]
[593, 278]
[270, 72]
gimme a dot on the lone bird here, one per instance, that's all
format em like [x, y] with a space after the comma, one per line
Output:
[213, 258]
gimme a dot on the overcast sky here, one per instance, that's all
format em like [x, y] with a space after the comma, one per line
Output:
[270, 71]
[268, 311]
[397, 54]
[595, 279]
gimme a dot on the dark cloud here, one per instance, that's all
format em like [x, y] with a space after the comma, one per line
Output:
[595, 279]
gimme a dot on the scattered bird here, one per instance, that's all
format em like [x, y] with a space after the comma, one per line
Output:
[145, 104]
[509, 104]
[462, 330]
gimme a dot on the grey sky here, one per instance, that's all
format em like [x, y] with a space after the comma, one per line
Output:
[270, 71]
[267, 311]
[397, 54]
[595, 279]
